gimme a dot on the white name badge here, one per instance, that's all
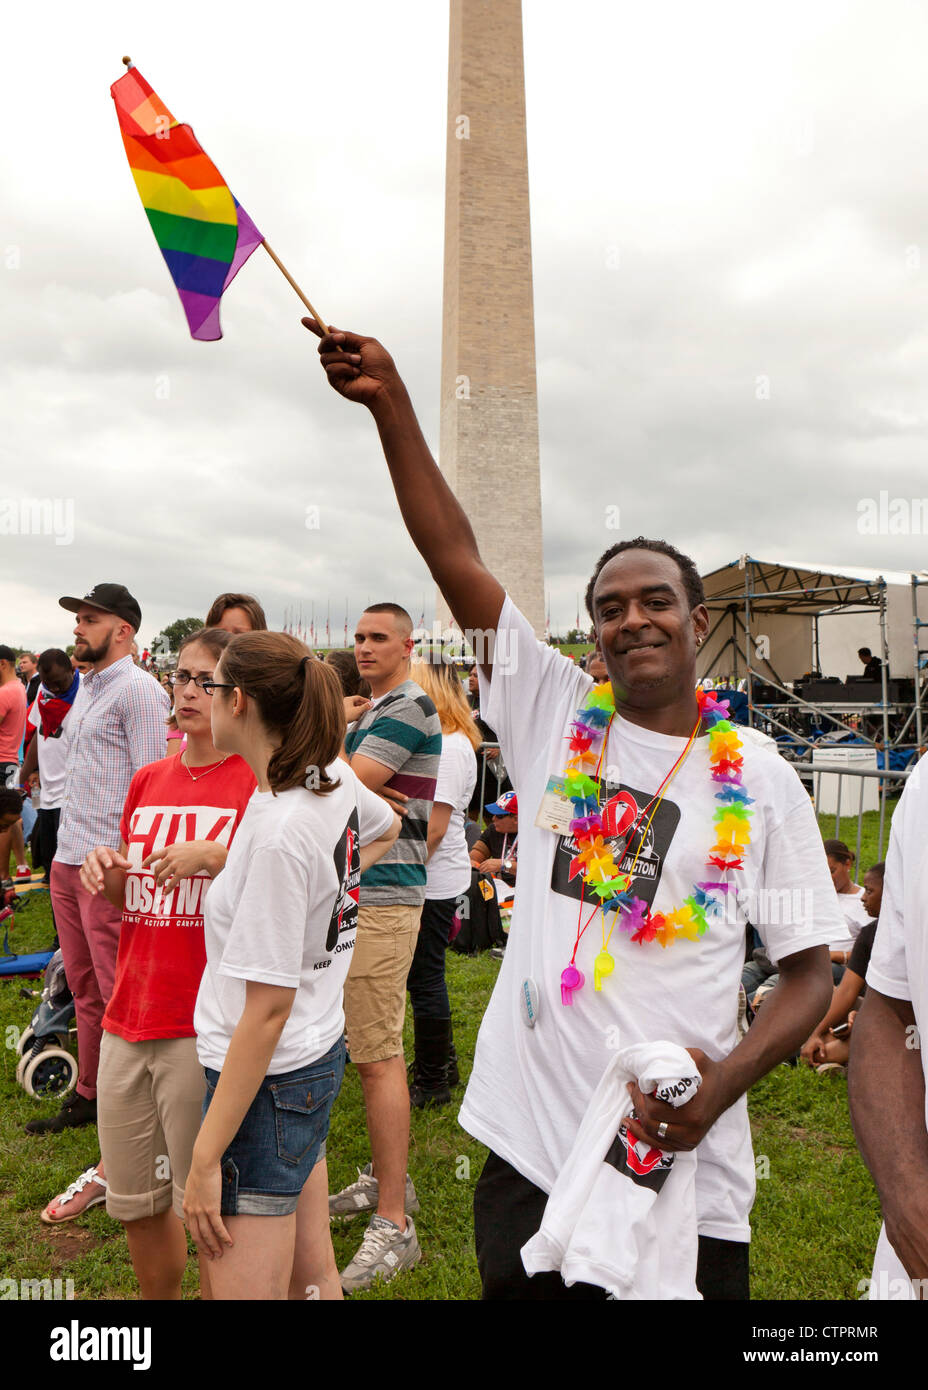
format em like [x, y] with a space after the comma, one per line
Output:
[556, 810]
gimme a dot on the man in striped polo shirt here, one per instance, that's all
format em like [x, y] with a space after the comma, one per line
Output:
[394, 747]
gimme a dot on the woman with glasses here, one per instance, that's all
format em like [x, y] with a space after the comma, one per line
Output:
[280, 930]
[180, 816]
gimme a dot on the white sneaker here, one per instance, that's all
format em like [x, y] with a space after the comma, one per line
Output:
[363, 1196]
[384, 1251]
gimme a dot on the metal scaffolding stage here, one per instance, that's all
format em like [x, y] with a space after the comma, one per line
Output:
[764, 639]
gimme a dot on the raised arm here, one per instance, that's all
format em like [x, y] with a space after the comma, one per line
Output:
[361, 370]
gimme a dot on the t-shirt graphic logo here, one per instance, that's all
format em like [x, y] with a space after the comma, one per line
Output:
[153, 828]
[628, 833]
[347, 859]
[645, 1166]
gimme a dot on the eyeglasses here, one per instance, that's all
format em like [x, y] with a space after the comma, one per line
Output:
[201, 682]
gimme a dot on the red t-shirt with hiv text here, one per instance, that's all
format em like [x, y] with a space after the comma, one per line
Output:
[161, 952]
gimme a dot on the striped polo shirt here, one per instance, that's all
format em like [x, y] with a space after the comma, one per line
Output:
[402, 731]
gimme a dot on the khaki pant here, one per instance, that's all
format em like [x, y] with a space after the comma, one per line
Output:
[149, 1106]
[375, 990]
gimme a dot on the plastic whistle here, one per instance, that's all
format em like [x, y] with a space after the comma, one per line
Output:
[571, 979]
[603, 965]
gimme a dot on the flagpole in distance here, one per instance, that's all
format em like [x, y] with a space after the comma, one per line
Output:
[275, 258]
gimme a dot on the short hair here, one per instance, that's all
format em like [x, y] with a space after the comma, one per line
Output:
[10, 802]
[393, 608]
[688, 571]
[245, 601]
[878, 869]
[53, 657]
[864, 651]
[7, 654]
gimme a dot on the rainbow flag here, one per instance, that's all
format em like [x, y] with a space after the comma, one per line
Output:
[204, 234]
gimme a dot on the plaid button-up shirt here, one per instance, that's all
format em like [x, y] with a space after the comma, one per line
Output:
[116, 726]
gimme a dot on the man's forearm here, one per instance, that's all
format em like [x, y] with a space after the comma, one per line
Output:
[886, 1095]
[434, 518]
[788, 1017]
[31, 760]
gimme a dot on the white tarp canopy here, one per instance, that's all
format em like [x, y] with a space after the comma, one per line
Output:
[768, 610]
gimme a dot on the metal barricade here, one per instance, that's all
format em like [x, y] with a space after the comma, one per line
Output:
[896, 777]
[500, 773]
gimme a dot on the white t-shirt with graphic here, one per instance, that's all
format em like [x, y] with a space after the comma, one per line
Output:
[449, 867]
[284, 911]
[530, 1086]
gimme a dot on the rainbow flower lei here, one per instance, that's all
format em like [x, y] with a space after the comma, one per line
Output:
[595, 859]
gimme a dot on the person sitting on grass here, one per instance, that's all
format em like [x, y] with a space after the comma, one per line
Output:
[850, 901]
[850, 897]
[11, 809]
[828, 1046]
[495, 851]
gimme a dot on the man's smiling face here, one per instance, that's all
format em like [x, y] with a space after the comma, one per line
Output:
[646, 630]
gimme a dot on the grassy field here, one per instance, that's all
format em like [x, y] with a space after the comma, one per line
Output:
[815, 1221]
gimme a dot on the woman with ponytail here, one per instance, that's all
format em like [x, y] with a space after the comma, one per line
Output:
[280, 929]
[180, 817]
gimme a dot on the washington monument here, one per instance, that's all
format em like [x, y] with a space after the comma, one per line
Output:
[488, 447]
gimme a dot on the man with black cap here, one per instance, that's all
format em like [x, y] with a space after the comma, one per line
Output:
[116, 725]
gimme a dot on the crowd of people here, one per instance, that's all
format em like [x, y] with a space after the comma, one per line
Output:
[231, 946]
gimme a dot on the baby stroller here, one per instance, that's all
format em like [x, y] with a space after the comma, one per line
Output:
[45, 1066]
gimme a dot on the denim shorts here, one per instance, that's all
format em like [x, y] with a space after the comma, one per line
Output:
[281, 1138]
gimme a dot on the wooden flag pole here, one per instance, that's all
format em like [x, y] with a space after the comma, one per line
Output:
[287, 276]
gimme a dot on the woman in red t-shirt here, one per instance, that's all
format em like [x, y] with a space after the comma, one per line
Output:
[178, 821]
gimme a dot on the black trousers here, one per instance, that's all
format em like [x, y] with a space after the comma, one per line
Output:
[428, 991]
[507, 1213]
[45, 839]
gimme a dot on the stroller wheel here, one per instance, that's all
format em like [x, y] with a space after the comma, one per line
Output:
[51, 1072]
[26, 1039]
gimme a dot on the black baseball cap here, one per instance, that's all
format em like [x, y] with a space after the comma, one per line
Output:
[112, 598]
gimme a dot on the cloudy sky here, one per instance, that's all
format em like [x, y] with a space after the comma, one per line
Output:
[730, 240]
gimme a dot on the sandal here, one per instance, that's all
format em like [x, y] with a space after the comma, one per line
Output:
[87, 1191]
[837, 1067]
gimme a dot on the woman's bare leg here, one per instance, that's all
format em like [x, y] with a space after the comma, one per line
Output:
[315, 1273]
[158, 1247]
[257, 1264]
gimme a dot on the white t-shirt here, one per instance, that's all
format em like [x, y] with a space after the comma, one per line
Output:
[284, 911]
[530, 1086]
[855, 916]
[899, 963]
[448, 869]
[52, 755]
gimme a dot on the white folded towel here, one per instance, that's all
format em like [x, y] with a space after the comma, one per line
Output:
[622, 1215]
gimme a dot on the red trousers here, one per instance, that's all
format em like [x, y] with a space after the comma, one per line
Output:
[88, 929]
